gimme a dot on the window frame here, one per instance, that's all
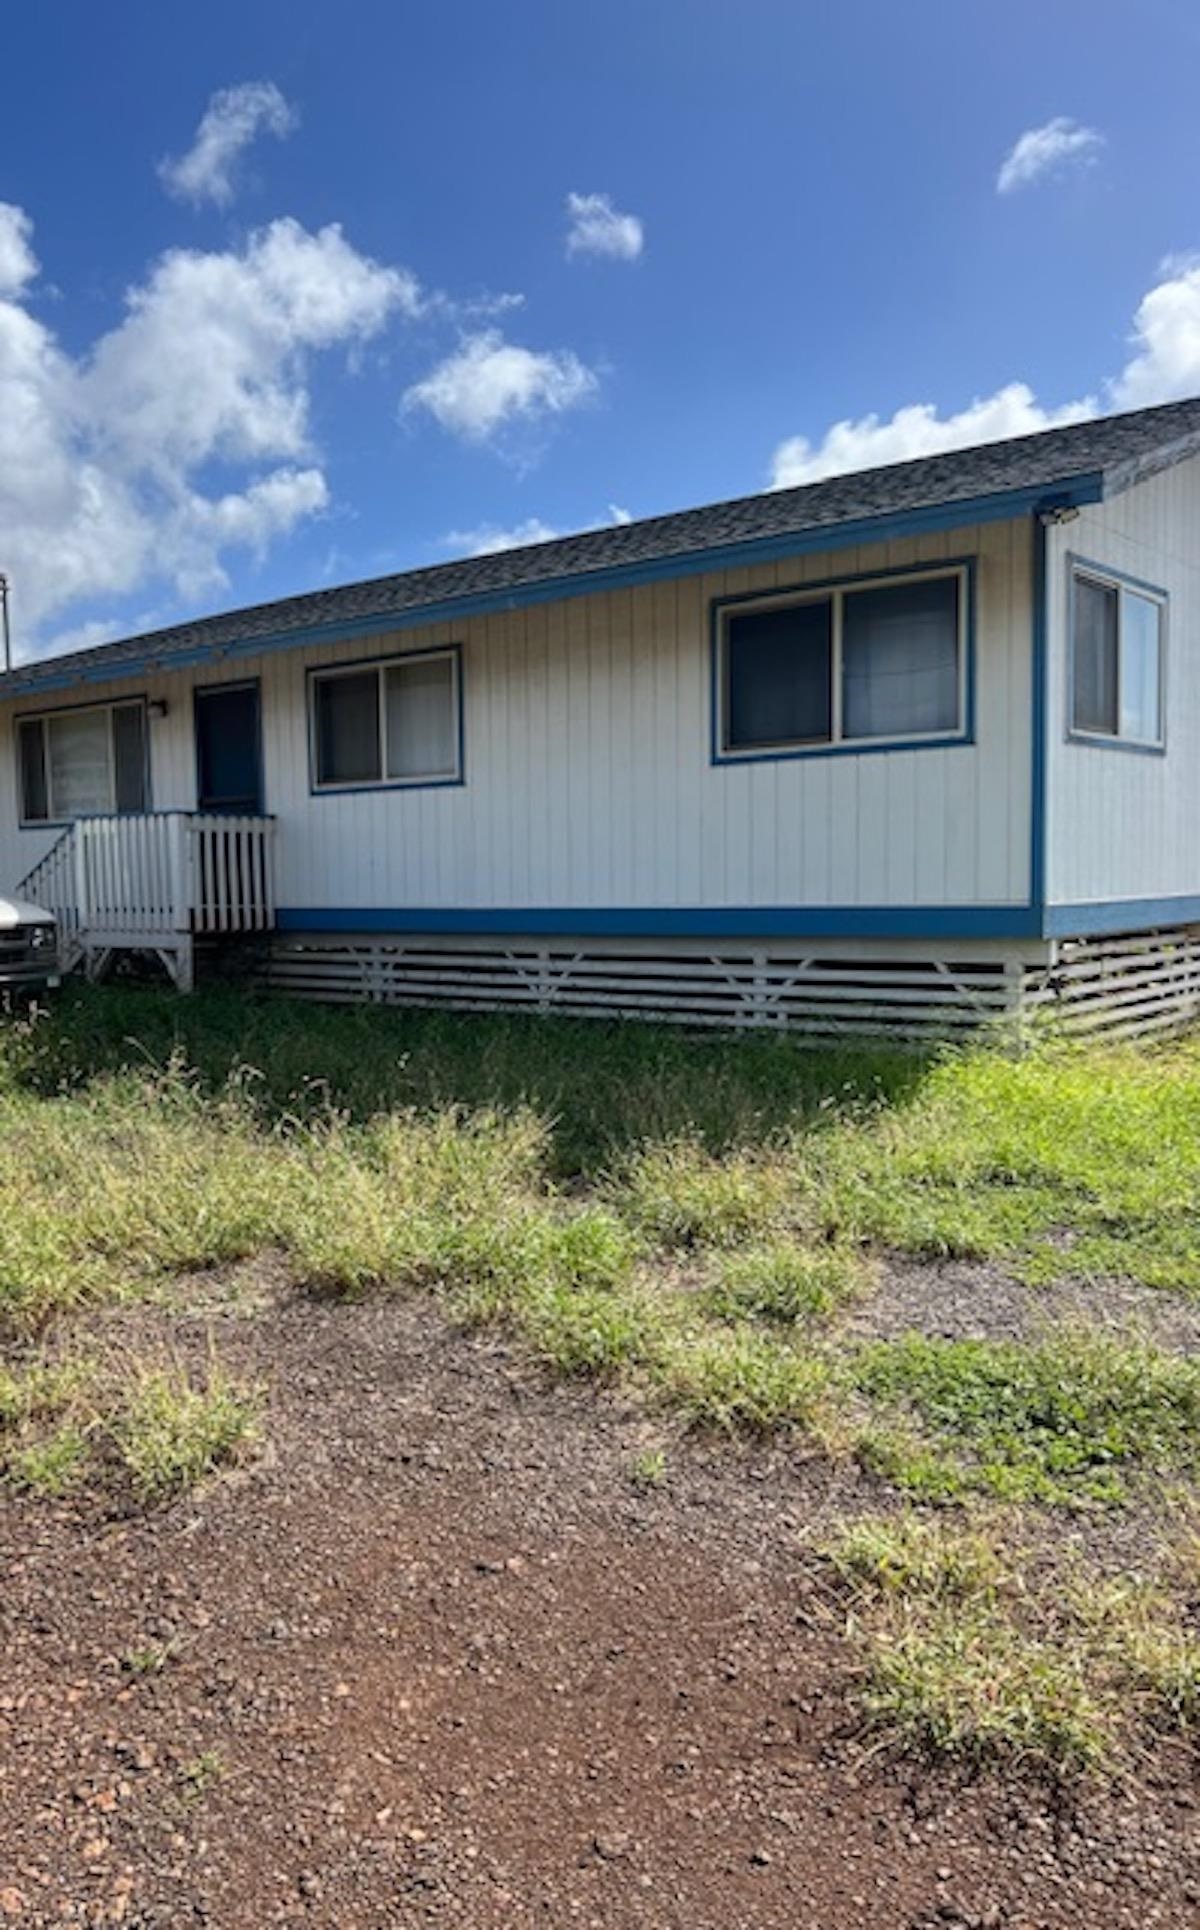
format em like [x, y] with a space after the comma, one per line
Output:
[834, 589]
[1108, 578]
[44, 717]
[325, 672]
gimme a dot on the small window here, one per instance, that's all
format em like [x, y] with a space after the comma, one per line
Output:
[881, 661]
[1116, 661]
[395, 722]
[82, 763]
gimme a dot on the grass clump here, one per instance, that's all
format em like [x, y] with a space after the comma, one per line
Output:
[170, 1433]
[65, 1419]
[786, 1282]
[43, 1439]
[51, 1464]
[975, 1684]
[649, 1469]
[679, 1195]
[906, 1554]
[1063, 1419]
[975, 1647]
[743, 1382]
[200, 1773]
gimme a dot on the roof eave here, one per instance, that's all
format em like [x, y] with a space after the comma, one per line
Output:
[998, 506]
[1124, 475]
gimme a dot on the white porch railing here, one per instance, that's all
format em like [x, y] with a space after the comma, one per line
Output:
[155, 882]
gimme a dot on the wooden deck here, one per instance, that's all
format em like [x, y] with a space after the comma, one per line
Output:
[155, 882]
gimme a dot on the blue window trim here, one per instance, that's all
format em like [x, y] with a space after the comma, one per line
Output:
[206, 690]
[964, 567]
[318, 670]
[65, 710]
[1078, 566]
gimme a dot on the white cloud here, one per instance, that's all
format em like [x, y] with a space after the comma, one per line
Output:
[104, 457]
[917, 430]
[488, 538]
[233, 118]
[209, 358]
[18, 263]
[1163, 366]
[1044, 150]
[489, 382]
[597, 228]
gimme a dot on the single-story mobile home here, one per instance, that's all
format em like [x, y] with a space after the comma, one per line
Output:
[905, 749]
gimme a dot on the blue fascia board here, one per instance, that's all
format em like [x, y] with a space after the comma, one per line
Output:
[672, 921]
[1000, 506]
[1105, 916]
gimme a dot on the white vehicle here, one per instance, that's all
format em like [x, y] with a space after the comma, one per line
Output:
[28, 948]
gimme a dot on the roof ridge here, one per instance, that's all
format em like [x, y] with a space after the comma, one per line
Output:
[1122, 448]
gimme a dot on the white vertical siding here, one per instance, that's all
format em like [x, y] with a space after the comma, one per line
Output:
[589, 778]
[1123, 824]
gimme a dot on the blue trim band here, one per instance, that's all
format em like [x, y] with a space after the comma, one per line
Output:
[1105, 916]
[689, 921]
[1001, 506]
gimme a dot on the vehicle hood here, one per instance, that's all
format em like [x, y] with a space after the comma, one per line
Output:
[16, 911]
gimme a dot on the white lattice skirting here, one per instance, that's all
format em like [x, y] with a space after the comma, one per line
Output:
[902, 990]
[1124, 987]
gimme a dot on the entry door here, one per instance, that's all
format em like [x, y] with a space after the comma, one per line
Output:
[229, 749]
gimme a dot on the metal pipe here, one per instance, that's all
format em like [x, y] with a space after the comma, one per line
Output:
[4, 623]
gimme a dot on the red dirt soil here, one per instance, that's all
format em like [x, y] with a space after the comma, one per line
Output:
[436, 1659]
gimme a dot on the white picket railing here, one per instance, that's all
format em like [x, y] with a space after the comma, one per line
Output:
[155, 880]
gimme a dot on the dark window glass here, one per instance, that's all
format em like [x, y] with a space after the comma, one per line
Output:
[35, 799]
[1094, 648]
[129, 757]
[900, 659]
[348, 728]
[779, 676]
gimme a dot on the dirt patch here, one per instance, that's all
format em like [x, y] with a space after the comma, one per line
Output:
[438, 1658]
[974, 1300]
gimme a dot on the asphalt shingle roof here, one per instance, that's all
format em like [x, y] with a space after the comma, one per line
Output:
[1119, 449]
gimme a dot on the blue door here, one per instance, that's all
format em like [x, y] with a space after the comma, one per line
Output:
[229, 749]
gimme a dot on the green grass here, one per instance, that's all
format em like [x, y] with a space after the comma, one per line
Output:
[685, 1219]
[170, 1432]
[1061, 1419]
[905, 1554]
[148, 1422]
[201, 1773]
[976, 1646]
[1080, 1160]
[786, 1282]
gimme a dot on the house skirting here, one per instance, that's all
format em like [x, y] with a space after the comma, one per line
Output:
[903, 990]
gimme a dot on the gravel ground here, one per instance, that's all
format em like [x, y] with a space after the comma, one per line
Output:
[970, 1300]
[436, 1658]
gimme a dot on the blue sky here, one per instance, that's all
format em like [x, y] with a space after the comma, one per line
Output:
[341, 328]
